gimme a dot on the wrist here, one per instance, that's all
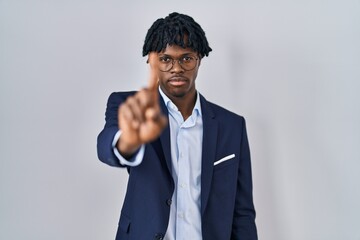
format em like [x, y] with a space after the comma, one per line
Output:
[126, 149]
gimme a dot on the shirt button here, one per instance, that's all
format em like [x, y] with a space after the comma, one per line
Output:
[168, 202]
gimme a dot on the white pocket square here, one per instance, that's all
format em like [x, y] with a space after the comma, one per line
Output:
[224, 159]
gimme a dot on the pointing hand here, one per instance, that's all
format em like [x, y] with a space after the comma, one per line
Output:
[140, 116]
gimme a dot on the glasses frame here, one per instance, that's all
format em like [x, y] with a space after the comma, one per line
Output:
[180, 61]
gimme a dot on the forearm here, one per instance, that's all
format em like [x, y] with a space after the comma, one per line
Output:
[104, 147]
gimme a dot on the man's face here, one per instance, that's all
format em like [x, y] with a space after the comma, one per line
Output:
[177, 82]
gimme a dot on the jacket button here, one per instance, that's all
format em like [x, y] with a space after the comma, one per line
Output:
[169, 201]
[159, 236]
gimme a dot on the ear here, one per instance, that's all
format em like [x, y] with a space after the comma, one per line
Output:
[150, 57]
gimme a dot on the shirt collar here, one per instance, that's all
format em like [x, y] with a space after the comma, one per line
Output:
[171, 106]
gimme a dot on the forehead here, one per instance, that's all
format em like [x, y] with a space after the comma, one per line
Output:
[176, 50]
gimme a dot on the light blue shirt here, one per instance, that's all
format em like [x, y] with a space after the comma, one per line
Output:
[186, 152]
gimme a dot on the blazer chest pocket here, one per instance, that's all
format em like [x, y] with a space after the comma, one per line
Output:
[224, 180]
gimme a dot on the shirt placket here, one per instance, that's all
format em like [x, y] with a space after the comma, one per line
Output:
[183, 177]
[181, 207]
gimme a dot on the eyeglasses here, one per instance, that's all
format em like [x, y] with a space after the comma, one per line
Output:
[186, 62]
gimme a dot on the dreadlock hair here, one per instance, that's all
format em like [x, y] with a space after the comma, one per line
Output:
[176, 29]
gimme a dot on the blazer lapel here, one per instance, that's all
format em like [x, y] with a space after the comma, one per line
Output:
[210, 132]
[165, 137]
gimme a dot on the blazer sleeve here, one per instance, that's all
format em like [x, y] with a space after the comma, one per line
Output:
[244, 227]
[105, 138]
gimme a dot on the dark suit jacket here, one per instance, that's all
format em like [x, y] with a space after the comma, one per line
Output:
[227, 208]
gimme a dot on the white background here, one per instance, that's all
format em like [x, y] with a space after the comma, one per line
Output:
[291, 68]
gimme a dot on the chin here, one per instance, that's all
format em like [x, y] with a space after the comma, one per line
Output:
[178, 94]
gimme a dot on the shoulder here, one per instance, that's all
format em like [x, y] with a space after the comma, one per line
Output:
[220, 112]
[121, 95]
[117, 98]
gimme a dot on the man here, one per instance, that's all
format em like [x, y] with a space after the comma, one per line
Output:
[188, 159]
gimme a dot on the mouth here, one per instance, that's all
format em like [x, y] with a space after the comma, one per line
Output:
[177, 81]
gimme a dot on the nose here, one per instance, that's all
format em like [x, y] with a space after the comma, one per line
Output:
[176, 68]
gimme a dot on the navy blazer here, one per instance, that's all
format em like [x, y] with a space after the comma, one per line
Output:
[227, 208]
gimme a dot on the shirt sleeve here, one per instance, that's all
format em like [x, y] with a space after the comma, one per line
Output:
[132, 162]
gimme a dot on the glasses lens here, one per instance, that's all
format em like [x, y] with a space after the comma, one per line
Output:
[188, 63]
[165, 67]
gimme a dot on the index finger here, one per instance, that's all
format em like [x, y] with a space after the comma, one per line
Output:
[153, 77]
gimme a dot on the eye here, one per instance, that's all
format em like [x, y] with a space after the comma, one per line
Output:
[187, 59]
[165, 59]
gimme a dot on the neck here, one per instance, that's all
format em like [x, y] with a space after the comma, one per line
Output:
[185, 104]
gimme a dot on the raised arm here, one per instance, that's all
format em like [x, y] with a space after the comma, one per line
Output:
[137, 115]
